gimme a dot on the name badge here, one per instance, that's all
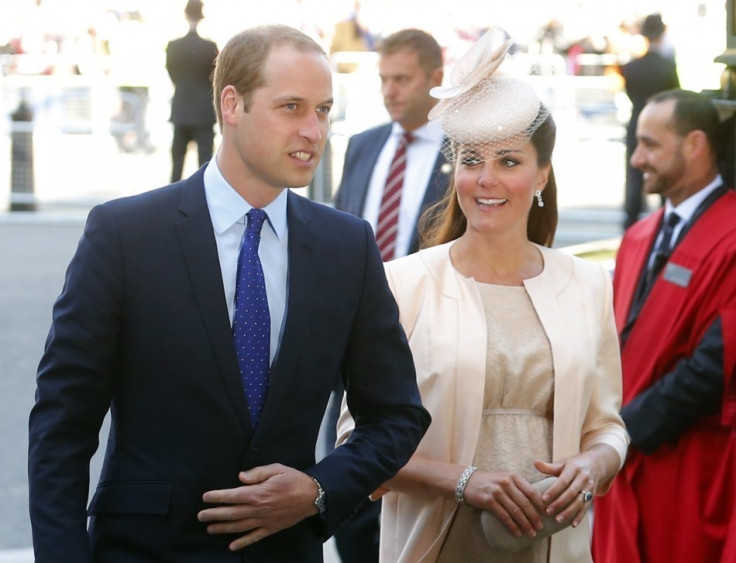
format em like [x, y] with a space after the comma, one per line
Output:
[678, 275]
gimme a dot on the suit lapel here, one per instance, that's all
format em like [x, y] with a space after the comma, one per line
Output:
[373, 144]
[550, 296]
[302, 281]
[628, 280]
[438, 181]
[197, 240]
[436, 188]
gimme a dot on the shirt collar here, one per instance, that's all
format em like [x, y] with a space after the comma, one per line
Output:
[687, 208]
[227, 207]
[430, 131]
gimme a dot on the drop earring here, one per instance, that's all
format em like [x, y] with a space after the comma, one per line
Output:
[538, 195]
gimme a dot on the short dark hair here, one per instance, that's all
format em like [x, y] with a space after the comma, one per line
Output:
[653, 27]
[420, 42]
[693, 112]
[193, 10]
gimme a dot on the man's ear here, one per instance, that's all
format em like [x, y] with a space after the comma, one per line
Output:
[230, 104]
[695, 145]
[436, 76]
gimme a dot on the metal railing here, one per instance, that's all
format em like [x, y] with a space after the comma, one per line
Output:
[78, 125]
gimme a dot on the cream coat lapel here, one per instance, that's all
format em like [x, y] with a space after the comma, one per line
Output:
[548, 295]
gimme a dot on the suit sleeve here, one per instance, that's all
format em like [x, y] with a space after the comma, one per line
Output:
[603, 423]
[382, 396]
[690, 392]
[171, 67]
[675, 78]
[72, 396]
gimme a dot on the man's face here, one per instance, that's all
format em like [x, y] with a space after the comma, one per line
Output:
[658, 151]
[279, 140]
[405, 87]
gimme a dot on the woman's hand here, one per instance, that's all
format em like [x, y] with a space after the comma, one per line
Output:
[511, 498]
[568, 499]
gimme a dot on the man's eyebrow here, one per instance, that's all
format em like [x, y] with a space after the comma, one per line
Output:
[294, 98]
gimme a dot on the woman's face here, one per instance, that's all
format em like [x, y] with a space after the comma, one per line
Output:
[495, 186]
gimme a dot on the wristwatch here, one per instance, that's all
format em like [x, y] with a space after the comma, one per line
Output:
[321, 501]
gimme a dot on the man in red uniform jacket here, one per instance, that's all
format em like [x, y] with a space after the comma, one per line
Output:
[675, 305]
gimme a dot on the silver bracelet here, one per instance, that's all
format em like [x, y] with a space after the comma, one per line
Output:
[464, 478]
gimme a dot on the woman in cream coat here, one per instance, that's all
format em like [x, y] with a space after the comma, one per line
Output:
[514, 345]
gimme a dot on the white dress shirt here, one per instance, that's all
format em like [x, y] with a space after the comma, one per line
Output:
[227, 210]
[421, 155]
[687, 208]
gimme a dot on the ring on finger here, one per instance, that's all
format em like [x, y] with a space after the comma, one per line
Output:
[587, 496]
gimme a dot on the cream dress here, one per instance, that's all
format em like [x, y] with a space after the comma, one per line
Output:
[516, 427]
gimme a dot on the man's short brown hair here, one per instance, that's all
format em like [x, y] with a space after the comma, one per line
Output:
[420, 42]
[240, 63]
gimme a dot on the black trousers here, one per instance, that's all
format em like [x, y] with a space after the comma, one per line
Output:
[203, 135]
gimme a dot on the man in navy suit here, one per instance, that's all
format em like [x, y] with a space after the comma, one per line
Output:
[143, 328]
[189, 62]
[410, 65]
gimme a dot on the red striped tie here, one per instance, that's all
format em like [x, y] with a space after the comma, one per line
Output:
[388, 215]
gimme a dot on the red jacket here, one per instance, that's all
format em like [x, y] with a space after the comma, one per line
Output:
[677, 504]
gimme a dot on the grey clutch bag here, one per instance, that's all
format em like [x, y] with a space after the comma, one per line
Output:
[499, 537]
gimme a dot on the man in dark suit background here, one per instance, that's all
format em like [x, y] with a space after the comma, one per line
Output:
[189, 62]
[410, 65]
[651, 73]
[144, 327]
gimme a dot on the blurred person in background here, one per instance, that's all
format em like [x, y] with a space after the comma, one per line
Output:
[190, 62]
[514, 345]
[351, 35]
[644, 76]
[675, 305]
[410, 65]
[134, 62]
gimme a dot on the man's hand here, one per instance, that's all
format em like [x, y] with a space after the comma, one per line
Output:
[272, 498]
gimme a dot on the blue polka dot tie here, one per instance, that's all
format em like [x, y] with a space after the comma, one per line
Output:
[252, 322]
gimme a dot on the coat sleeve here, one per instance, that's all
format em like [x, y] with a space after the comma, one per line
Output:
[679, 399]
[381, 395]
[603, 423]
[729, 368]
[73, 394]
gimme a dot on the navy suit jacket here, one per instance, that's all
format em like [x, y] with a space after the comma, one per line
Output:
[190, 61]
[644, 77]
[360, 158]
[142, 327]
